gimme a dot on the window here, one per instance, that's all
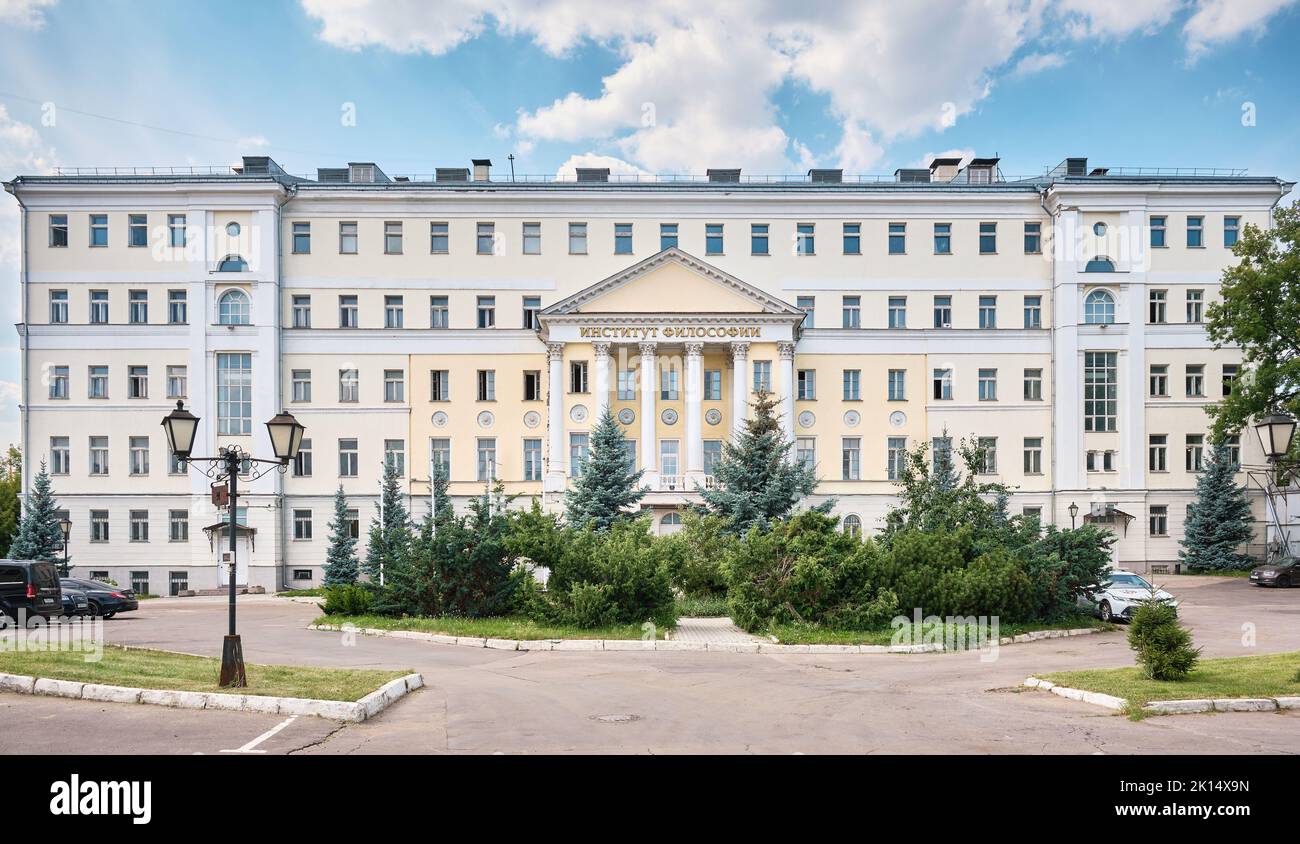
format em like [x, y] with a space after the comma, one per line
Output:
[1157, 452]
[1195, 452]
[942, 385]
[897, 313]
[713, 239]
[988, 312]
[1194, 378]
[851, 458]
[487, 458]
[1159, 520]
[852, 385]
[175, 466]
[487, 311]
[1195, 305]
[629, 453]
[577, 238]
[439, 312]
[897, 238]
[1156, 307]
[578, 376]
[988, 238]
[668, 382]
[667, 236]
[895, 457]
[139, 455]
[1033, 385]
[487, 385]
[393, 311]
[349, 385]
[622, 238]
[804, 238]
[439, 385]
[579, 448]
[627, 384]
[987, 451]
[99, 455]
[941, 451]
[301, 524]
[178, 309]
[301, 239]
[349, 316]
[302, 463]
[1232, 443]
[177, 382]
[98, 229]
[853, 525]
[395, 456]
[758, 240]
[60, 456]
[392, 237]
[58, 307]
[347, 458]
[440, 454]
[1100, 461]
[852, 311]
[532, 307]
[1229, 376]
[137, 382]
[301, 385]
[486, 238]
[713, 385]
[852, 239]
[943, 238]
[1099, 308]
[1100, 391]
[943, 312]
[302, 312]
[762, 376]
[97, 384]
[1195, 232]
[58, 382]
[897, 385]
[805, 451]
[99, 307]
[1158, 232]
[440, 238]
[532, 460]
[1159, 379]
[235, 393]
[98, 525]
[139, 520]
[58, 231]
[233, 308]
[1231, 228]
[176, 230]
[178, 525]
[532, 235]
[806, 381]
[1033, 238]
[1033, 455]
[988, 385]
[669, 454]
[394, 385]
[532, 385]
[1033, 312]
[807, 304]
[348, 238]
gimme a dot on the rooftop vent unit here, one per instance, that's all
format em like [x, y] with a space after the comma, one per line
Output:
[451, 174]
[365, 173]
[724, 176]
[482, 169]
[912, 175]
[593, 174]
[334, 175]
[1076, 166]
[826, 177]
[944, 169]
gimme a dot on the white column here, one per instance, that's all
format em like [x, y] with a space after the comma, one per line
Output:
[649, 389]
[555, 418]
[694, 408]
[739, 385]
[602, 378]
[787, 398]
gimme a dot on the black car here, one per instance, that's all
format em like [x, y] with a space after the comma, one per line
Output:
[105, 599]
[30, 589]
[1283, 572]
[74, 602]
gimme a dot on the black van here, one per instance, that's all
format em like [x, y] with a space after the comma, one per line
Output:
[29, 587]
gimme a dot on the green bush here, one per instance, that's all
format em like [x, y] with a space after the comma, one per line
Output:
[627, 561]
[350, 599]
[694, 556]
[588, 605]
[1066, 565]
[1163, 646]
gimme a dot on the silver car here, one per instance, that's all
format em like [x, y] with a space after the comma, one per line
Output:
[1121, 595]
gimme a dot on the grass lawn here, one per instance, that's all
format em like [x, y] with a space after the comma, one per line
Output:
[495, 627]
[812, 634]
[301, 593]
[702, 607]
[180, 672]
[1268, 675]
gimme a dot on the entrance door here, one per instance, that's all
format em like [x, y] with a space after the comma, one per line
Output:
[243, 553]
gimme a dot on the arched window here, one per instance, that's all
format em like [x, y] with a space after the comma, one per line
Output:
[670, 523]
[232, 264]
[853, 525]
[1100, 264]
[232, 308]
[1099, 308]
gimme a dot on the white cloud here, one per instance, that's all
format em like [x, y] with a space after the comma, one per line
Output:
[24, 14]
[1218, 21]
[1115, 18]
[404, 26]
[617, 166]
[965, 154]
[1037, 63]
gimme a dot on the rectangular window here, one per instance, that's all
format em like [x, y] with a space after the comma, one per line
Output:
[758, 239]
[713, 455]
[1157, 452]
[579, 451]
[58, 307]
[98, 229]
[851, 458]
[532, 234]
[805, 451]
[622, 238]
[897, 315]
[988, 311]
[440, 454]
[577, 238]
[1033, 455]
[176, 230]
[177, 382]
[439, 238]
[667, 236]
[1033, 385]
[1159, 379]
[807, 304]
[943, 312]
[302, 238]
[138, 462]
[178, 525]
[302, 312]
[1100, 461]
[59, 231]
[394, 385]
[713, 239]
[532, 307]
[852, 239]
[1033, 312]
[1194, 379]
[395, 456]
[762, 376]
[897, 385]
[713, 385]
[235, 393]
[439, 312]
[852, 313]
[1157, 311]
[669, 454]
[1100, 391]
[804, 234]
[987, 451]
[301, 385]
[302, 463]
[988, 238]
[1195, 306]
[137, 303]
[940, 452]
[97, 384]
[137, 229]
[806, 380]
[1231, 230]
[99, 307]
[943, 238]
[1033, 238]
[348, 238]
[99, 455]
[302, 524]
[897, 238]
[578, 376]
[486, 239]
[139, 526]
[1232, 443]
[349, 385]
[392, 237]
[852, 385]
[58, 382]
[98, 525]
[532, 385]
[347, 458]
[942, 385]
[988, 385]
[487, 385]
[627, 384]
[1158, 232]
[1195, 232]
[668, 381]
[1195, 452]
[178, 309]
[1229, 377]
[439, 385]
[486, 311]
[348, 312]
[532, 460]
[393, 311]
[60, 456]
[1159, 520]
[895, 456]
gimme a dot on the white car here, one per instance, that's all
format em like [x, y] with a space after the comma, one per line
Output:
[1121, 595]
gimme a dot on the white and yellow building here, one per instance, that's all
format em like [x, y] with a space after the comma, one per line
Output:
[485, 323]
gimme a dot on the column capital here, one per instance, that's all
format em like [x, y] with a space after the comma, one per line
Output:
[648, 348]
[554, 351]
[786, 350]
[739, 351]
[694, 350]
[601, 348]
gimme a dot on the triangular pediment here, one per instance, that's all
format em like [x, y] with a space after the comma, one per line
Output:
[671, 281]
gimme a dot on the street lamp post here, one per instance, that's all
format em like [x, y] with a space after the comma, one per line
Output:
[1276, 433]
[65, 528]
[286, 438]
[1074, 511]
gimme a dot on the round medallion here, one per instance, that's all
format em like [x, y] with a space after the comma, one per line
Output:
[485, 419]
[627, 416]
[532, 419]
[713, 416]
[898, 419]
[578, 413]
[852, 418]
[807, 419]
[669, 416]
[233, 229]
[439, 420]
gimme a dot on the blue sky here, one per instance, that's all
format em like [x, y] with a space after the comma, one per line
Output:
[767, 85]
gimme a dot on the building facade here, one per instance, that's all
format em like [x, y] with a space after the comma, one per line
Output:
[1055, 321]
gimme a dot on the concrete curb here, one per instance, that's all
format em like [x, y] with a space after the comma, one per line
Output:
[335, 710]
[678, 645]
[1170, 707]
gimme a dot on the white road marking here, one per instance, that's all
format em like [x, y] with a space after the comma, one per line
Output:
[249, 748]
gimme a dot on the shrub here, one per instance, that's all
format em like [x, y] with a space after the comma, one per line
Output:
[588, 605]
[1066, 565]
[627, 561]
[694, 556]
[348, 599]
[1163, 646]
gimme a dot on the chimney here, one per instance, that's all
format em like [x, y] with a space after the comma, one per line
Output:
[717, 175]
[593, 174]
[944, 169]
[482, 169]
[826, 177]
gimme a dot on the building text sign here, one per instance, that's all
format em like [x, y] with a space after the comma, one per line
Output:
[670, 332]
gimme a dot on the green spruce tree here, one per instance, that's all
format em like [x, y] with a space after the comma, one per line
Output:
[39, 536]
[756, 479]
[341, 558]
[390, 529]
[1219, 521]
[607, 487]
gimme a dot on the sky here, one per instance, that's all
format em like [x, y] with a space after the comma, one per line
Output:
[670, 86]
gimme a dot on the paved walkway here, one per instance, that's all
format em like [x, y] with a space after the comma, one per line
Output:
[716, 631]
